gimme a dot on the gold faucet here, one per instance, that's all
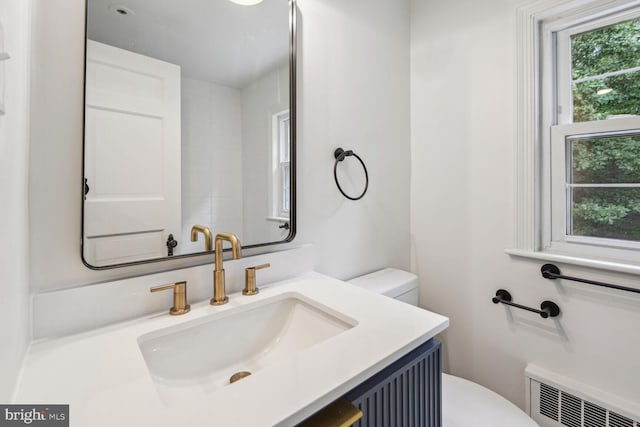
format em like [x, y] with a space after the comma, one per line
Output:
[180, 305]
[219, 296]
[207, 235]
[250, 287]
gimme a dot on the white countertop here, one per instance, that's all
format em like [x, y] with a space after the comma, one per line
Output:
[103, 376]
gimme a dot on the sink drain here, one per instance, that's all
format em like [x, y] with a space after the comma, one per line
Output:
[238, 376]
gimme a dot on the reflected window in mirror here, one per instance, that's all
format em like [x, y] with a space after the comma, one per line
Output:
[281, 200]
[189, 120]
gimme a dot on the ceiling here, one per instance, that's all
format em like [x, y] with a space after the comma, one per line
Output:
[213, 40]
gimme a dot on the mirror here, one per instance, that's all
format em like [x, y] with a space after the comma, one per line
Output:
[189, 127]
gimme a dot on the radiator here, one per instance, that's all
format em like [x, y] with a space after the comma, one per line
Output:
[556, 401]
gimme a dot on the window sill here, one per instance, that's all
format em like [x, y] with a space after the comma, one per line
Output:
[608, 265]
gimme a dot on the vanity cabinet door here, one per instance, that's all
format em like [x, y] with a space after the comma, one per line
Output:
[407, 393]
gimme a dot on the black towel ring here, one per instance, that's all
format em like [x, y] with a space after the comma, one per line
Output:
[340, 155]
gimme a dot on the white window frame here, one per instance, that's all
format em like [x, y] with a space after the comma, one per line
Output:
[279, 129]
[558, 238]
[536, 48]
[563, 52]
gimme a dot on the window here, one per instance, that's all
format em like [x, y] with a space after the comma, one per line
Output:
[579, 133]
[281, 169]
[594, 154]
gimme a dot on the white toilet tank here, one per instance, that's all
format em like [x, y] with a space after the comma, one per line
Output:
[464, 403]
[394, 283]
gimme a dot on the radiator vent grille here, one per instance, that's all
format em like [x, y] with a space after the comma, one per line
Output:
[549, 400]
[594, 415]
[571, 411]
[616, 420]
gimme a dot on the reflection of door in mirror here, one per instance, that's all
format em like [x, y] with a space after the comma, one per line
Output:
[132, 155]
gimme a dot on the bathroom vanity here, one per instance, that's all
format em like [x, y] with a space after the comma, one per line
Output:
[407, 392]
[306, 341]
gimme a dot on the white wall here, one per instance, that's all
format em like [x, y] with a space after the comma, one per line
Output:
[462, 209]
[15, 314]
[353, 92]
[263, 98]
[212, 164]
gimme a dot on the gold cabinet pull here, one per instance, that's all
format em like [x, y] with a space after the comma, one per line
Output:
[250, 287]
[341, 413]
[180, 305]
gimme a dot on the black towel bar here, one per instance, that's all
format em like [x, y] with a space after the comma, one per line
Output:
[550, 271]
[547, 308]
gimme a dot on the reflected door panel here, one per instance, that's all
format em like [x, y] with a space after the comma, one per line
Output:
[132, 155]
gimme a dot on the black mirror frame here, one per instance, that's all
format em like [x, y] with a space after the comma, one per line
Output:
[293, 12]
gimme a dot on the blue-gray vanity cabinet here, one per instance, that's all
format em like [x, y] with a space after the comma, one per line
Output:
[406, 393]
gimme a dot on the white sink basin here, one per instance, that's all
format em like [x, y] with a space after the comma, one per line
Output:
[199, 357]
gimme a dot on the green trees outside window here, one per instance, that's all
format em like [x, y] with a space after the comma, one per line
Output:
[604, 181]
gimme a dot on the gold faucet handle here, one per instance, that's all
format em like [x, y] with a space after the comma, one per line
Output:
[250, 287]
[180, 305]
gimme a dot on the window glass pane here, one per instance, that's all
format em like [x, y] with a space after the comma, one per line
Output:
[612, 213]
[286, 186]
[607, 49]
[605, 160]
[284, 139]
[605, 74]
[606, 98]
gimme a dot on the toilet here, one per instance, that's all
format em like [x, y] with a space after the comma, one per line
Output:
[464, 403]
